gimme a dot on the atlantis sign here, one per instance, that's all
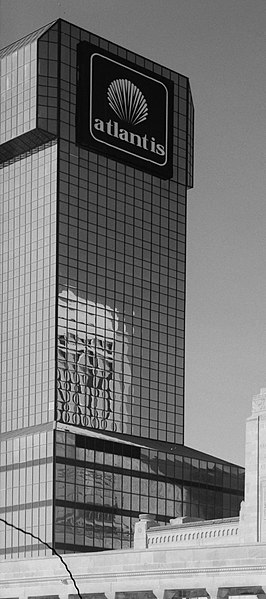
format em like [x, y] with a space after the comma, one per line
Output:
[124, 111]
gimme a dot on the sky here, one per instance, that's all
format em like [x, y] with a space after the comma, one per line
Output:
[221, 46]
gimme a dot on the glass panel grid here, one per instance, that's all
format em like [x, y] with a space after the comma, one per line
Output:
[103, 486]
[122, 279]
[18, 85]
[28, 240]
[26, 483]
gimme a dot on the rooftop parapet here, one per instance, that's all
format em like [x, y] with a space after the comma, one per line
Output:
[185, 532]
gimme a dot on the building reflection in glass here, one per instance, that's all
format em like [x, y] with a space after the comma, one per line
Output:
[94, 373]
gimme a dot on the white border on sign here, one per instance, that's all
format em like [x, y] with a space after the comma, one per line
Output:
[166, 115]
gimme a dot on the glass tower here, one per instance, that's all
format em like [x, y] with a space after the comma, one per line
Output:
[96, 159]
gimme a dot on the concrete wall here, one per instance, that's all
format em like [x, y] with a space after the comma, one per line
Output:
[239, 569]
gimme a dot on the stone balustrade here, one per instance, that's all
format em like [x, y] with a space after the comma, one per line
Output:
[186, 531]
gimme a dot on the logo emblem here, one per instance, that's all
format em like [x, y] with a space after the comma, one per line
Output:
[124, 111]
[127, 101]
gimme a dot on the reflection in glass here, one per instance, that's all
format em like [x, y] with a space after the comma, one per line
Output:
[94, 373]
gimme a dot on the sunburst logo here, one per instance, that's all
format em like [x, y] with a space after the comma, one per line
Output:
[123, 111]
[127, 101]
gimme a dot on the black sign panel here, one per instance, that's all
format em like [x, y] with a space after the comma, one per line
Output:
[124, 112]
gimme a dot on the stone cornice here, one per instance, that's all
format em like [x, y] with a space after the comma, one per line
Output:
[218, 533]
[138, 574]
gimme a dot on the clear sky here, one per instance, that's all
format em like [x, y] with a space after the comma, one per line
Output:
[221, 46]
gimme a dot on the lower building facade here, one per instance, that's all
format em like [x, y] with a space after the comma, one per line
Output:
[158, 574]
[84, 493]
[186, 558]
[101, 490]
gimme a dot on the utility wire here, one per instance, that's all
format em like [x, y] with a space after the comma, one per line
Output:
[25, 532]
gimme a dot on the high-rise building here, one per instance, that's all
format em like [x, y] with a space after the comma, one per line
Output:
[96, 159]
